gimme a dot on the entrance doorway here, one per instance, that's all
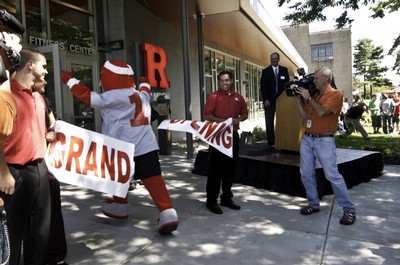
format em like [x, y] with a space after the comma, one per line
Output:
[64, 105]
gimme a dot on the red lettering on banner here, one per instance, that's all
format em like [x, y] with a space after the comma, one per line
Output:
[91, 161]
[217, 133]
[107, 162]
[155, 63]
[74, 154]
[177, 121]
[228, 142]
[210, 127]
[122, 178]
[195, 126]
[60, 156]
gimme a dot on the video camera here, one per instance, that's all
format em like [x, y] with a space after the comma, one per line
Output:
[306, 81]
[9, 58]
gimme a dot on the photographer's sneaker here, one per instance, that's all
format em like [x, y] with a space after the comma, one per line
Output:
[116, 210]
[348, 218]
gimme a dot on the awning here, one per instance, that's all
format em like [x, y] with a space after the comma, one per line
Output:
[243, 26]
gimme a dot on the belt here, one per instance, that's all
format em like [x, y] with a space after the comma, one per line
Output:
[320, 135]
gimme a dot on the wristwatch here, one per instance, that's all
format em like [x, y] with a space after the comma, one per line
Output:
[309, 99]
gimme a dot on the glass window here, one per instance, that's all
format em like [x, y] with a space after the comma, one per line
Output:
[102, 25]
[214, 63]
[78, 3]
[34, 25]
[207, 62]
[322, 52]
[252, 93]
[71, 26]
[10, 7]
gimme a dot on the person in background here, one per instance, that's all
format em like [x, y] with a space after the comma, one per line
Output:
[320, 113]
[57, 246]
[28, 209]
[221, 105]
[352, 119]
[342, 123]
[272, 83]
[387, 110]
[396, 113]
[375, 111]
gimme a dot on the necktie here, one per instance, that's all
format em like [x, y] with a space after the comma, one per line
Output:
[276, 80]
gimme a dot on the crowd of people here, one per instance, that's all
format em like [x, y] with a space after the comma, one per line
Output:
[32, 194]
[383, 110]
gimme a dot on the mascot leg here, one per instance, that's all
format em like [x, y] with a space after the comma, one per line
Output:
[168, 221]
[116, 207]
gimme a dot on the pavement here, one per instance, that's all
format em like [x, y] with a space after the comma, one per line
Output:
[269, 228]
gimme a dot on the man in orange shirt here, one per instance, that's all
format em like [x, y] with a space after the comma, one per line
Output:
[321, 113]
[8, 107]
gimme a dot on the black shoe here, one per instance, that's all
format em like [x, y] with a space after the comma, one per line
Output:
[308, 210]
[348, 218]
[230, 204]
[214, 208]
[270, 147]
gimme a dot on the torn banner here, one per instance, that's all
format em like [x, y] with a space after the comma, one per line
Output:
[216, 134]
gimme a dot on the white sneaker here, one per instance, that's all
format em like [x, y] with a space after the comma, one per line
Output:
[168, 221]
[115, 210]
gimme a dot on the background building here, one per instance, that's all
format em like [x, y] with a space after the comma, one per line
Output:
[193, 41]
[331, 48]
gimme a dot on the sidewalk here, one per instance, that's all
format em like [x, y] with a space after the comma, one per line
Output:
[268, 230]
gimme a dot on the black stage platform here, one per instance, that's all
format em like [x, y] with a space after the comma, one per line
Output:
[279, 170]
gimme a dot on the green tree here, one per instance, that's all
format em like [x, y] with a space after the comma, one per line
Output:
[307, 11]
[367, 60]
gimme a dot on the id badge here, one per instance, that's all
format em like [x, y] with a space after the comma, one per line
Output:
[309, 123]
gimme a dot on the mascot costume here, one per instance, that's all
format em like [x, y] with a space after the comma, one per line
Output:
[126, 116]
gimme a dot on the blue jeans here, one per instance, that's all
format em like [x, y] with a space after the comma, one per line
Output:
[323, 149]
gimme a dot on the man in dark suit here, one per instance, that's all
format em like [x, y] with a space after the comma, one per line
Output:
[272, 82]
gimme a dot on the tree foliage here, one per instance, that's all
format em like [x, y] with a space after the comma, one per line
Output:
[367, 60]
[307, 11]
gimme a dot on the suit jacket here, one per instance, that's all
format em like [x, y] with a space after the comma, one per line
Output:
[267, 83]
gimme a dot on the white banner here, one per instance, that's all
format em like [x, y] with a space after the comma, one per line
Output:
[216, 134]
[91, 160]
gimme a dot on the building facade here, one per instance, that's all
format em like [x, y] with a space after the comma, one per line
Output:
[331, 48]
[181, 45]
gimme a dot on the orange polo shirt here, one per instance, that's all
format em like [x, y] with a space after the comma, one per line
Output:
[332, 100]
[7, 114]
[26, 142]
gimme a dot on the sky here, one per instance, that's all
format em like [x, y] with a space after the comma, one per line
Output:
[381, 31]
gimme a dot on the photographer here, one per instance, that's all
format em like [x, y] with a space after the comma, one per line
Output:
[321, 113]
[7, 106]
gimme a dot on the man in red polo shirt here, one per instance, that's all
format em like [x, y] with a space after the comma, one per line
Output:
[221, 105]
[28, 209]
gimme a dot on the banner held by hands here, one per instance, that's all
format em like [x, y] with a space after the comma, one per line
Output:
[91, 160]
[217, 134]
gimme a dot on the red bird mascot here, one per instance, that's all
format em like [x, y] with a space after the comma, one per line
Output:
[126, 116]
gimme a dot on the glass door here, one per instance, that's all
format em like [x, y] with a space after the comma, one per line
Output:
[53, 90]
[65, 106]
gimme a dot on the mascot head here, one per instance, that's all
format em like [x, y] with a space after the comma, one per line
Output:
[116, 75]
